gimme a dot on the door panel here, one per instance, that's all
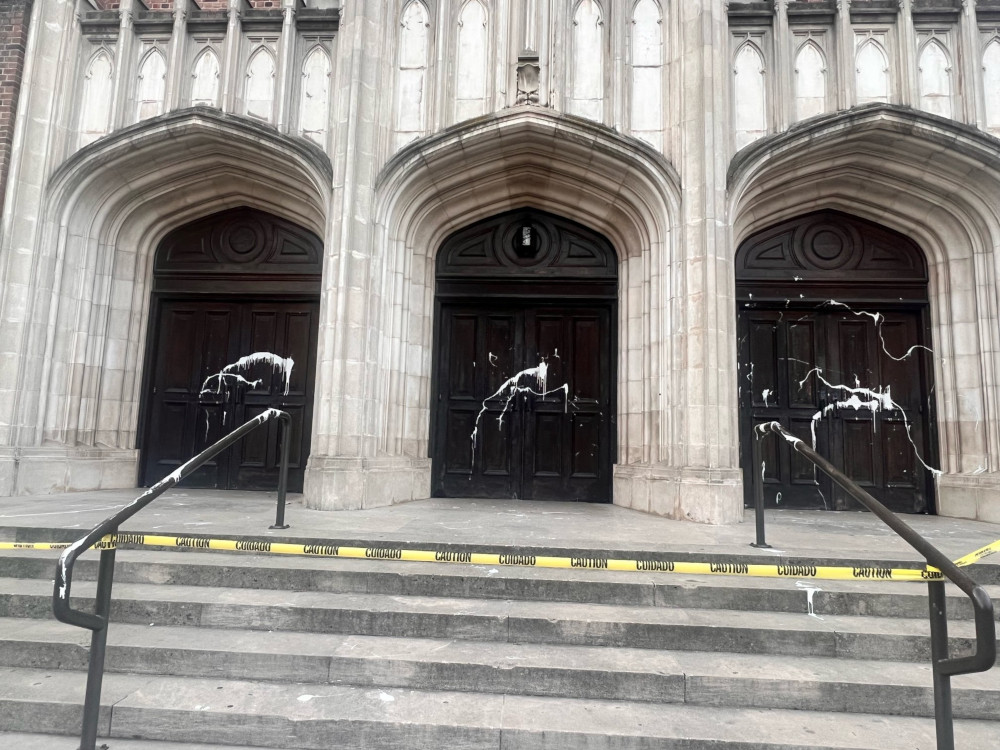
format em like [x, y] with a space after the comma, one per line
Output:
[497, 432]
[798, 366]
[196, 339]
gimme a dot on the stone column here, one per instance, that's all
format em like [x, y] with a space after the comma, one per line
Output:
[784, 84]
[124, 66]
[25, 272]
[345, 469]
[974, 104]
[231, 57]
[909, 93]
[846, 70]
[285, 73]
[700, 479]
[178, 43]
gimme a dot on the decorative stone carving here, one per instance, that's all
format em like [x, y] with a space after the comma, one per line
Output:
[528, 71]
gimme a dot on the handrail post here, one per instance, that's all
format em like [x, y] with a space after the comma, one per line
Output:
[284, 433]
[758, 493]
[939, 653]
[98, 648]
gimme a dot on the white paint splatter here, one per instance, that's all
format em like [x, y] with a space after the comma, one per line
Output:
[879, 319]
[306, 698]
[512, 386]
[874, 400]
[385, 697]
[493, 359]
[810, 588]
[765, 394]
[796, 278]
[777, 499]
[284, 364]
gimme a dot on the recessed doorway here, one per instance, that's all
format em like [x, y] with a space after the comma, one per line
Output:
[524, 369]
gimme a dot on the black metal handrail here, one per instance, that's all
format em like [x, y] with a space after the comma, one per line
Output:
[944, 667]
[97, 621]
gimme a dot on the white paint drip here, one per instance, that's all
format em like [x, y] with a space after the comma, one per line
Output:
[863, 398]
[284, 364]
[765, 394]
[879, 319]
[493, 359]
[777, 499]
[810, 588]
[513, 387]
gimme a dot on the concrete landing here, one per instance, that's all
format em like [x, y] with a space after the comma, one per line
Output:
[492, 523]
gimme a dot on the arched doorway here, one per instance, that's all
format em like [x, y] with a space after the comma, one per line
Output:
[524, 363]
[229, 285]
[834, 344]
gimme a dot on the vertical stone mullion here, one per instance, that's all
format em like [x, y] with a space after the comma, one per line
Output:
[124, 65]
[176, 64]
[231, 71]
[973, 94]
[286, 65]
[782, 80]
[845, 56]
[909, 93]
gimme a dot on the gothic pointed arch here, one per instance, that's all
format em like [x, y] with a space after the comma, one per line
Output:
[105, 211]
[934, 181]
[528, 158]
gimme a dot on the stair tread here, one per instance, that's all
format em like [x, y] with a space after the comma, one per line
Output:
[497, 610]
[26, 741]
[305, 716]
[496, 654]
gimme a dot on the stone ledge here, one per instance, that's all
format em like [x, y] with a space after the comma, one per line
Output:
[335, 483]
[712, 496]
[972, 496]
[44, 471]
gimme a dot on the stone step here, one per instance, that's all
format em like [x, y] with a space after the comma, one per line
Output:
[23, 741]
[262, 714]
[695, 678]
[892, 639]
[882, 599]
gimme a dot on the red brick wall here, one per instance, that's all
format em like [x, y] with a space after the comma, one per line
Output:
[14, 18]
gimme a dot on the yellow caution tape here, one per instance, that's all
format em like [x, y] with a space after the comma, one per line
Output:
[979, 554]
[754, 570]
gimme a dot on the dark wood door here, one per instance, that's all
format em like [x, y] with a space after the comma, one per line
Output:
[851, 383]
[194, 340]
[524, 402]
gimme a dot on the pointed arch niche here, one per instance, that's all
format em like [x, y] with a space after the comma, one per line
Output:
[810, 81]
[934, 73]
[750, 92]
[991, 82]
[471, 61]
[105, 212]
[411, 72]
[205, 79]
[95, 103]
[491, 165]
[587, 61]
[151, 85]
[647, 55]
[871, 163]
[314, 107]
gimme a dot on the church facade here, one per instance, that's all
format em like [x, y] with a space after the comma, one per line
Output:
[541, 249]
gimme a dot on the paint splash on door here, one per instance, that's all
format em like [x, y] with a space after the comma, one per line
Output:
[227, 376]
[514, 386]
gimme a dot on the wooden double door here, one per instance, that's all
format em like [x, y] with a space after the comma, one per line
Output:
[854, 380]
[195, 338]
[524, 401]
